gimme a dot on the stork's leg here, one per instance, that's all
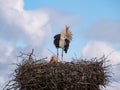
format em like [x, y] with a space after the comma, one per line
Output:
[57, 54]
[62, 54]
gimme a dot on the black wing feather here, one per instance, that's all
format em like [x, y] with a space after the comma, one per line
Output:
[56, 40]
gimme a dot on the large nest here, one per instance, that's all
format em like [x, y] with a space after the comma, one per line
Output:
[81, 74]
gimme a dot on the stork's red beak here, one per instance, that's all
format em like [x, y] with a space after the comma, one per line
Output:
[67, 28]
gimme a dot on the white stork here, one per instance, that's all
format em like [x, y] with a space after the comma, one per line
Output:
[62, 40]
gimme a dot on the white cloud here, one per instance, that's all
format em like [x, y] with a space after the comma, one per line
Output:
[98, 49]
[31, 27]
[5, 52]
[1, 82]
[6, 58]
[9, 51]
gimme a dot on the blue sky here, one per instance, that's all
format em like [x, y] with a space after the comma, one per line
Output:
[91, 10]
[27, 24]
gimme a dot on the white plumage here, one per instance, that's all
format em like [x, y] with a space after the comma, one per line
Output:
[62, 42]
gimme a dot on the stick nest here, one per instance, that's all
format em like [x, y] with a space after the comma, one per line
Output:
[32, 74]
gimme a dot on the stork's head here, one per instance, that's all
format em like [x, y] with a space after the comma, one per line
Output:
[68, 33]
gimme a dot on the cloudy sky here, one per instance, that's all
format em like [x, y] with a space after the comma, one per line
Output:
[27, 24]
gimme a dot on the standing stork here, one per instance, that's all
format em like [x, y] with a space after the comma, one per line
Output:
[62, 40]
